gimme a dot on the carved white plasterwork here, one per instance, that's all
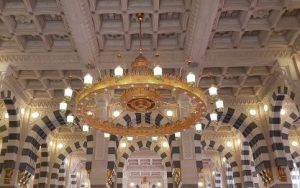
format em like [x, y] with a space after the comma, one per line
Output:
[100, 146]
[246, 54]
[68, 137]
[45, 104]
[187, 144]
[16, 59]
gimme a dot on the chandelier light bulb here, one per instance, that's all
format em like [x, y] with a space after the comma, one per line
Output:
[70, 119]
[85, 128]
[198, 127]
[213, 92]
[157, 71]
[214, 117]
[191, 78]
[88, 80]
[200, 184]
[266, 107]
[177, 135]
[63, 107]
[129, 138]
[154, 138]
[220, 105]
[68, 93]
[106, 136]
[123, 145]
[118, 71]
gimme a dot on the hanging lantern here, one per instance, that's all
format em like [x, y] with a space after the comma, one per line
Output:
[198, 127]
[63, 107]
[214, 117]
[213, 92]
[88, 80]
[191, 78]
[68, 93]
[177, 135]
[85, 128]
[220, 105]
[106, 136]
[129, 138]
[157, 71]
[70, 119]
[154, 138]
[118, 71]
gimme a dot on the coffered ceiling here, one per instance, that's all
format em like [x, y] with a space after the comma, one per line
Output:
[45, 41]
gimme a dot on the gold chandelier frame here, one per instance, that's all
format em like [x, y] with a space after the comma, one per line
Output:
[141, 80]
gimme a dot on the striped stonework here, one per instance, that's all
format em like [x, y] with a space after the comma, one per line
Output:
[61, 176]
[229, 157]
[175, 152]
[112, 151]
[153, 147]
[286, 125]
[218, 179]
[60, 159]
[44, 169]
[251, 132]
[11, 139]
[37, 135]
[37, 174]
[4, 135]
[89, 152]
[279, 130]
[229, 176]
[132, 119]
[248, 171]
[295, 157]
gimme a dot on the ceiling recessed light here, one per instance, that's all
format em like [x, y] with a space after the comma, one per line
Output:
[165, 144]
[169, 113]
[35, 115]
[60, 145]
[116, 113]
[282, 112]
[229, 144]
[123, 145]
[295, 143]
[22, 111]
[252, 112]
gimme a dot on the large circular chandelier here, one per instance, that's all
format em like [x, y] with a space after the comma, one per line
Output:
[141, 107]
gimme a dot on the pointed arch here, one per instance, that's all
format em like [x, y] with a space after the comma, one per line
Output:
[249, 129]
[229, 157]
[11, 138]
[135, 147]
[61, 157]
[279, 130]
[38, 134]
